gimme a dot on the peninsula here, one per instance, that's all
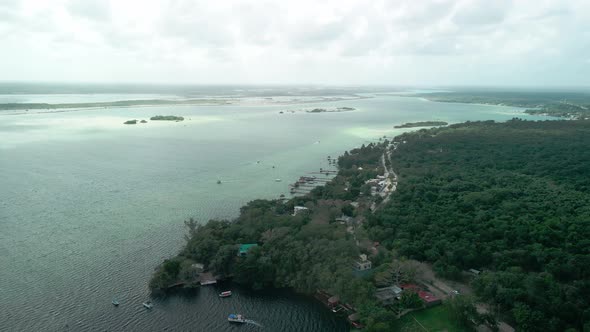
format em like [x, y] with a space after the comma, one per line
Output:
[501, 201]
[573, 105]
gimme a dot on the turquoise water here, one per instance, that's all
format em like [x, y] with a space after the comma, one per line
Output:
[90, 206]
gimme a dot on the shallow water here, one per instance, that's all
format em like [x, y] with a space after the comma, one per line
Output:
[90, 206]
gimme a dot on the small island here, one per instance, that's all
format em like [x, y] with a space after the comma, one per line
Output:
[333, 110]
[318, 110]
[422, 124]
[128, 122]
[143, 121]
[166, 118]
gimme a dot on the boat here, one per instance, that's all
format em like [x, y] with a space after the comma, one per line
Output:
[115, 302]
[236, 318]
[225, 294]
[218, 181]
[278, 180]
[148, 304]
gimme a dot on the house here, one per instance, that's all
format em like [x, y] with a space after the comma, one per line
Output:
[333, 301]
[299, 209]
[344, 219]
[429, 299]
[387, 295]
[354, 320]
[198, 267]
[372, 181]
[410, 288]
[475, 272]
[363, 263]
[244, 248]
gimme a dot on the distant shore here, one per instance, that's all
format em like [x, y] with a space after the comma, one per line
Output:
[569, 106]
[42, 108]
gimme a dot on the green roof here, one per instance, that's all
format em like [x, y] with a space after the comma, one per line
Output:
[245, 247]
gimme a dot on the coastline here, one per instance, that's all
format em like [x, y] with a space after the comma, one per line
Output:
[340, 230]
[289, 244]
[71, 107]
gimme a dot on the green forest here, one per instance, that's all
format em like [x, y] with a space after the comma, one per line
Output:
[510, 198]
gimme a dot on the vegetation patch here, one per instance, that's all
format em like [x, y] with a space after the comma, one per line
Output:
[166, 118]
[512, 199]
[431, 319]
[422, 124]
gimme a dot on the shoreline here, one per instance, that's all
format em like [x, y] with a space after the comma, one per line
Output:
[375, 164]
[220, 102]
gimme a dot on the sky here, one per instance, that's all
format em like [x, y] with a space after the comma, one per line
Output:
[341, 42]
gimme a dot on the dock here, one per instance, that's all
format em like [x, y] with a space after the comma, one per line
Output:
[307, 183]
[207, 278]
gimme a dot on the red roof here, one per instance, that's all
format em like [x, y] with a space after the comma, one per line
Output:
[427, 297]
[410, 287]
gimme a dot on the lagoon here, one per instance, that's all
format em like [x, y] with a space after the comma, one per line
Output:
[90, 206]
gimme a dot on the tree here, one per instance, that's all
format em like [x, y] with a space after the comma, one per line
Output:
[410, 300]
[348, 210]
[462, 309]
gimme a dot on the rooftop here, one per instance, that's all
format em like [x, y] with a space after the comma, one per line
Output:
[427, 297]
[245, 247]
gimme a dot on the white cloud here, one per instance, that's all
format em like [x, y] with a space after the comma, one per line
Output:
[347, 41]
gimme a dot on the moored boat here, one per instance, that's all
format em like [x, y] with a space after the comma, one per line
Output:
[225, 294]
[236, 318]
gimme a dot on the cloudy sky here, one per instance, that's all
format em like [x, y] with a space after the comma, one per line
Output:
[413, 42]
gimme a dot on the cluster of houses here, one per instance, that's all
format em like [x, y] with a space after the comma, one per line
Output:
[381, 185]
[388, 295]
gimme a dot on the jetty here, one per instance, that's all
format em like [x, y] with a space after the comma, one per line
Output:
[307, 183]
[207, 278]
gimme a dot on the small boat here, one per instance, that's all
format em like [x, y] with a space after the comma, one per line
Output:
[115, 302]
[278, 180]
[225, 294]
[148, 304]
[236, 318]
[218, 181]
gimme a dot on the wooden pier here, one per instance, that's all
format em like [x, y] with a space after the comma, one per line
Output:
[305, 184]
[207, 278]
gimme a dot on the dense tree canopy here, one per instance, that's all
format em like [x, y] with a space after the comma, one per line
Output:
[512, 198]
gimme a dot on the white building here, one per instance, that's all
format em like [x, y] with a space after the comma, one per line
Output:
[299, 209]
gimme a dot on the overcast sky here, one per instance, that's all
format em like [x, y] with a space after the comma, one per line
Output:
[417, 42]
